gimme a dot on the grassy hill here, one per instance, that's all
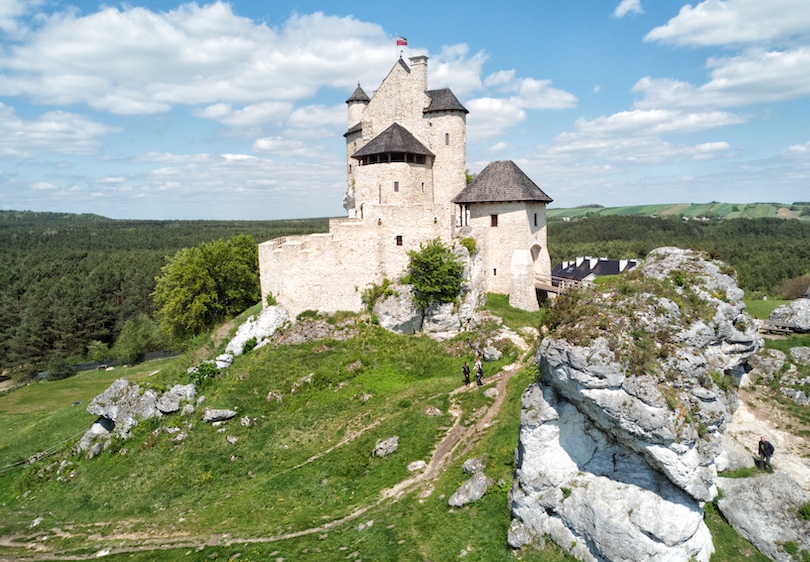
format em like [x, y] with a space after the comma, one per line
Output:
[797, 210]
[299, 482]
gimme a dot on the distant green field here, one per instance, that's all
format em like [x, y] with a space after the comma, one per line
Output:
[689, 210]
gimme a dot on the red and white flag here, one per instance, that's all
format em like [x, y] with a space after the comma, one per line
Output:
[401, 41]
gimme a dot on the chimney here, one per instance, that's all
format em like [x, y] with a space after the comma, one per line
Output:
[622, 265]
[419, 71]
[579, 261]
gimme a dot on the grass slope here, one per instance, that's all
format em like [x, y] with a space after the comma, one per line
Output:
[284, 487]
[690, 210]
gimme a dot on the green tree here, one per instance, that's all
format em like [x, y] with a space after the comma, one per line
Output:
[203, 285]
[138, 336]
[435, 274]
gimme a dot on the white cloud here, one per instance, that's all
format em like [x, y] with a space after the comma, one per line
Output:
[626, 7]
[491, 117]
[285, 148]
[135, 61]
[43, 186]
[538, 94]
[453, 68]
[725, 22]
[249, 116]
[318, 116]
[635, 136]
[54, 131]
[749, 78]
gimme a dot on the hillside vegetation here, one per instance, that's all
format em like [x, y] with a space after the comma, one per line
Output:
[713, 210]
[68, 279]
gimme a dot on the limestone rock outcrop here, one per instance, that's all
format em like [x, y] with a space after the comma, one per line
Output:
[796, 313]
[397, 312]
[635, 390]
[258, 328]
[764, 511]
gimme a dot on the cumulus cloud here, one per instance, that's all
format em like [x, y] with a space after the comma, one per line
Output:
[725, 22]
[54, 131]
[626, 7]
[135, 61]
[749, 78]
[636, 136]
[455, 69]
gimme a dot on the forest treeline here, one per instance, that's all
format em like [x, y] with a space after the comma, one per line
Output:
[764, 252]
[68, 280]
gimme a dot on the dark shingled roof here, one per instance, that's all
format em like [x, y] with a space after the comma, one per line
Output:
[358, 95]
[443, 100]
[395, 138]
[354, 129]
[501, 181]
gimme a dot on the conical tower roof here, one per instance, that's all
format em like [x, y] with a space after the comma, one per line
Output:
[501, 181]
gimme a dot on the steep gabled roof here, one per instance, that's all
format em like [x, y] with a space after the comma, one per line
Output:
[443, 100]
[395, 138]
[501, 181]
[358, 95]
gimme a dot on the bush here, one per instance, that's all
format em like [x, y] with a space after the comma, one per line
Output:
[307, 314]
[804, 512]
[435, 274]
[375, 292]
[58, 368]
[795, 288]
[248, 345]
[139, 335]
[270, 299]
[202, 373]
[470, 244]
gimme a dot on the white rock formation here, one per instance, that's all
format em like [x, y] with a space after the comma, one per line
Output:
[258, 327]
[796, 312]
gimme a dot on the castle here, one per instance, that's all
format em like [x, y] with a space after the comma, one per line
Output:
[406, 175]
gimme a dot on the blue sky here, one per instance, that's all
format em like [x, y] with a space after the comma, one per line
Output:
[162, 110]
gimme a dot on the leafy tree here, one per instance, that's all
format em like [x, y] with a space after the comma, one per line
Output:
[139, 336]
[98, 351]
[435, 274]
[203, 285]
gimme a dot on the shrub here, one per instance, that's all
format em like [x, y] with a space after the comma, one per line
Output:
[270, 299]
[375, 292]
[138, 336]
[470, 244]
[804, 512]
[435, 274]
[307, 314]
[248, 345]
[202, 373]
[794, 288]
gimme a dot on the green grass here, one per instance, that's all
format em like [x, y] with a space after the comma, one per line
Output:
[762, 309]
[728, 545]
[40, 415]
[515, 318]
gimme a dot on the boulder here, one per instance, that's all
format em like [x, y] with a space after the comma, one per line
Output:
[397, 313]
[100, 431]
[441, 321]
[258, 327]
[223, 361]
[733, 455]
[473, 465]
[217, 415]
[385, 447]
[124, 404]
[766, 363]
[800, 355]
[796, 313]
[764, 511]
[470, 491]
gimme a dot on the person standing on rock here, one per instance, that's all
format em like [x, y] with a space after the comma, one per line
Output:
[479, 372]
[466, 371]
[766, 451]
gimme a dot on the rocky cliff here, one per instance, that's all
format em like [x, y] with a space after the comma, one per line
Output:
[620, 433]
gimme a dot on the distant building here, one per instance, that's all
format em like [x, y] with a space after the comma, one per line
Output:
[587, 269]
[406, 171]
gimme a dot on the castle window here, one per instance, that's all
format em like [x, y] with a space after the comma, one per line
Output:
[535, 219]
[447, 138]
[493, 220]
[423, 187]
[396, 186]
[494, 272]
[399, 240]
[397, 157]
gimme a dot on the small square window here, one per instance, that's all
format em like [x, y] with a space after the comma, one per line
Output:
[399, 240]
[493, 220]
[396, 186]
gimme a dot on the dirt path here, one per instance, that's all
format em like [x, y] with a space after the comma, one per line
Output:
[458, 440]
[766, 418]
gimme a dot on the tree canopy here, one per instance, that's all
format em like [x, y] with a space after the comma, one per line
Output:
[435, 274]
[201, 286]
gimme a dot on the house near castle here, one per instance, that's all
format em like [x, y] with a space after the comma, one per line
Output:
[406, 176]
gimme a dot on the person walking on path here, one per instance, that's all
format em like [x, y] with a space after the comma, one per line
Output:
[766, 451]
[466, 371]
[479, 372]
